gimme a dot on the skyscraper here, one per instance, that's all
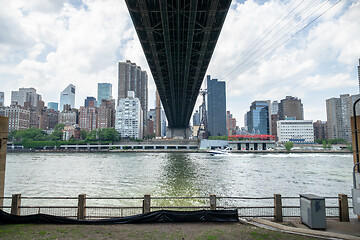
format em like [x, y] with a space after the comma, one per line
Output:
[104, 92]
[216, 99]
[53, 105]
[2, 99]
[25, 95]
[274, 118]
[230, 123]
[19, 118]
[132, 78]
[67, 96]
[339, 111]
[320, 130]
[106, 114]
[88, 100]
[88, 118]
[128, 120]
[291, 108]
[258, 118]
[196, 118]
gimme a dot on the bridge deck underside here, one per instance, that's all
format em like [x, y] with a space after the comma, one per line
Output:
[178, 38]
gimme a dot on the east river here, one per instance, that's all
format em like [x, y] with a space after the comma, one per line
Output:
[177, 174]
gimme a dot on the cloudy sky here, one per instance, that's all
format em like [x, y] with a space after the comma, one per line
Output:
[267, 50]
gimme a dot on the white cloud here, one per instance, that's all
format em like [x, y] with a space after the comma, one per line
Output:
[50, 44]
[320, 62]
[319, 82]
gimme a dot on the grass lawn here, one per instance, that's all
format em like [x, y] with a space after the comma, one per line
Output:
[197, 231]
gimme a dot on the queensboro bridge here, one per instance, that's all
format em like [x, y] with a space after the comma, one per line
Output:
[178, 38]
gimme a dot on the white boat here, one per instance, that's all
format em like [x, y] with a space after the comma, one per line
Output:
[219, 151]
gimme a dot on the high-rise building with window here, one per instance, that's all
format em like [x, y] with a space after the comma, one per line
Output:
[320, 129]
[25, 96]
[19, 118]
[291, 108]
[339, 111]
[258, 119]
[88, 100]
[196, 118]
[128, 120]
[48, 119]
[53, 105]
[274, 118]
[132, 78]
[88, 117]
[230, 123]
[104, 92]
[216, 104]
[106, 114]
[67, 96]
[297, 131]
[69, 118]
[2, 99]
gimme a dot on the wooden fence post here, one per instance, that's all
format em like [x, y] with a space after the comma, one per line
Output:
[343, 208]
[278, 208]
[81, 214]
[146, 203]
[212, 202]
[15, 204]
[4, 127]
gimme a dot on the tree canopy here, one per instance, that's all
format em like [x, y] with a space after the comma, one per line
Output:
[289, 145]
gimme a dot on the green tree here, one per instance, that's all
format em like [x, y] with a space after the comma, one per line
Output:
[108, 134]
[33, 134]
[289, 145]
[83, 134]
[218, 138]
[324, 143]
[56, 135]
[59, 127]
[337, 141]
[92, 135]
[12, 134]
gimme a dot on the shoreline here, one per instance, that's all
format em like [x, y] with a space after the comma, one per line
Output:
[173, 151]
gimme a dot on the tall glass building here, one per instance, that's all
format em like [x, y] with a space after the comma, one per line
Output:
[104, 92]
[67, 96]
[53, 105]
[258, 118]
[88, 100]
[216, 104]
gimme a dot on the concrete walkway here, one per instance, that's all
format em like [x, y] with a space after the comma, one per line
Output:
[335, 229]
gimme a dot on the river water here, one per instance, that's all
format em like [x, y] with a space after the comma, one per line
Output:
[177, 174]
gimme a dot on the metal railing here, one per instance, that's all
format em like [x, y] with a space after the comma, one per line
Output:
[111, 207]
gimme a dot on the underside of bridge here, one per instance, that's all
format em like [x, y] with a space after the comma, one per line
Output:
[178, 38]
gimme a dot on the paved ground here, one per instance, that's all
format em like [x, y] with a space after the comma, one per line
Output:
[334, 228]
[197, 231]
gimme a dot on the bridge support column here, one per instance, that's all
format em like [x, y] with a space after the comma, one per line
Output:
[178, 133]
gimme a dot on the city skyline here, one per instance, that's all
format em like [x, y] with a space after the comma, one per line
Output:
[318, 63]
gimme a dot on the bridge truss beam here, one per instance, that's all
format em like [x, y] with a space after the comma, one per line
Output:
[178, 38]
